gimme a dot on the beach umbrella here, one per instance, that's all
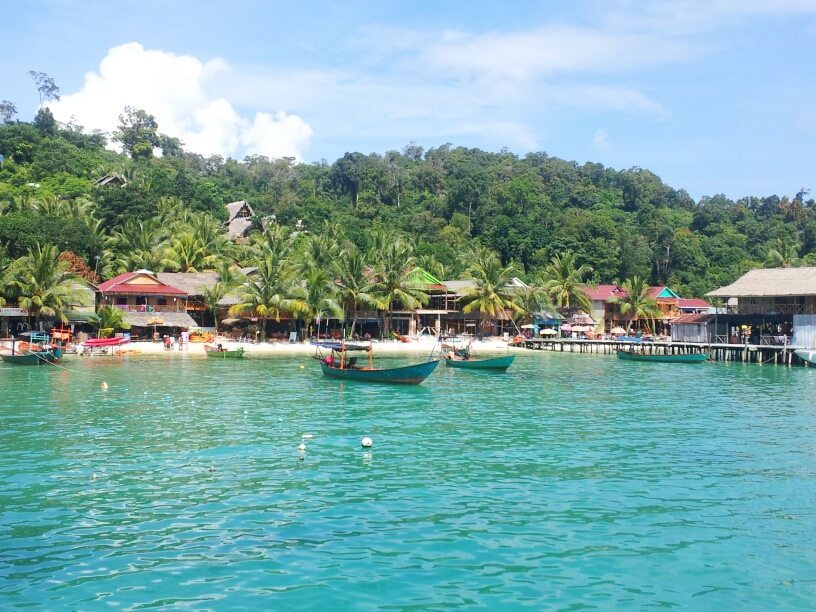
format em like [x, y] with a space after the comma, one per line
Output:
[155, 321]
[548, 332]
[618, 331]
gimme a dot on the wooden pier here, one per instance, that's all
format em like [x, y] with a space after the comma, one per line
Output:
[747, 353]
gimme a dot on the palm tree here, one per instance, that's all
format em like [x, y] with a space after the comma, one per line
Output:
[783, 255]
[107, 320]
[268, 294]
[637, 300]
[564, 281]
[396, 283]
[43, 283]
[492, 295]
[355, 281]
[317, 298]
[228, 279]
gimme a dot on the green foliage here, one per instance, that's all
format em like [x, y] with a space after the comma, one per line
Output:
[441, 203]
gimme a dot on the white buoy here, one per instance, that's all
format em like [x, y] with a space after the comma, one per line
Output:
[104, 386]
[302, 447]
[306, 437]
[366, 442]
[94, 476]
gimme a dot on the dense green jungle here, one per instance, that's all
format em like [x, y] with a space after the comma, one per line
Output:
[441, 203]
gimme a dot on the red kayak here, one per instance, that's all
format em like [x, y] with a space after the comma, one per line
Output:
[97, 342]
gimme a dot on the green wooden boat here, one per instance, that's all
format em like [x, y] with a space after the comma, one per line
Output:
[496, 364]
[656, 358]
[222, 353]
[44, 357]
[405, 375]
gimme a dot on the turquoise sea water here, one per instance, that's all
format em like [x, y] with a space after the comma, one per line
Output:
[569, 481]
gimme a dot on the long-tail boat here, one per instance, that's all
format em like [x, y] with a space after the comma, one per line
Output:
[219, 352]
[497, 364]
[339, 365]
[35, 351]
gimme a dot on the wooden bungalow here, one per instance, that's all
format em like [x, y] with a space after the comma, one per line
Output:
[239, 219]
[772, 303]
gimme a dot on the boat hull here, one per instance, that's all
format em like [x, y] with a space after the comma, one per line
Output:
[496, 364]
[34, 358]
[807, 355]
[406, 375]
[225, 354]
[654, 358]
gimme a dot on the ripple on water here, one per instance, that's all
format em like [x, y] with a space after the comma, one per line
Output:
[570, 480]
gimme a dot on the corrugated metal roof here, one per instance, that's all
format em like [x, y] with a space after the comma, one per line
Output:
[160, 319]
[121, 284]
[693, 319]
[771, 282]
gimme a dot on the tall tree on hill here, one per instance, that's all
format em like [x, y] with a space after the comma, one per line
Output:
[564, 281]
[783, 255]
[46, 87]
[138, 133]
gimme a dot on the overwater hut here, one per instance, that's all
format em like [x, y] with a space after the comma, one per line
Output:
[771, 303]
[693, 328]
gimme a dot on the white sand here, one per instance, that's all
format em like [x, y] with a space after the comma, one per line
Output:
[423, 346]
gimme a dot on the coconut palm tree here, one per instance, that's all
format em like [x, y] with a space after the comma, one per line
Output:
[228, 279]
[492, 296]
[637, 301]
[43, 283]
[396, 279]
[564, 279]
[268, 294]
[316, 298]
[355, 281]
[107, 320]
[783, 255]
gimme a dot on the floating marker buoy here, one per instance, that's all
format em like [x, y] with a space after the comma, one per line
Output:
[104, 386]
[212, 468]
[94, 476]
[366, 442]
[301, 367]
[302, 448]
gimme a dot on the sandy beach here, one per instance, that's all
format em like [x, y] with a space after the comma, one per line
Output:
[423, 346]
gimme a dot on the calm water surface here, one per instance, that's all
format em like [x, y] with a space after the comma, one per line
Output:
[569, 481]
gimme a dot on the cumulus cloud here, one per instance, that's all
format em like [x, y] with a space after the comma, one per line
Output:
[175, 90]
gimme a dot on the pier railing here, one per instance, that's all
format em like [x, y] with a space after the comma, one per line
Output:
[772, 309]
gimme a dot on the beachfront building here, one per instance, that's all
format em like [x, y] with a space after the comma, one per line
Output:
[769, 306]
[146, 302]
[693, 327]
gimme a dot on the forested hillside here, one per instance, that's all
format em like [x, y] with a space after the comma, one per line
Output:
[443, 201]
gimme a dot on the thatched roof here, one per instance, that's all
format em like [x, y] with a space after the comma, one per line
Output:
[771, 282]
[192, 283]
[160, 319]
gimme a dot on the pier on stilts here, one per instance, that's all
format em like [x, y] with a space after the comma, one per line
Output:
[746, 353]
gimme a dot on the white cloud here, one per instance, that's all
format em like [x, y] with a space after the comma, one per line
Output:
[175, 90]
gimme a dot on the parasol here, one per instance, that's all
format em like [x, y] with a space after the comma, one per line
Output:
[548, 332]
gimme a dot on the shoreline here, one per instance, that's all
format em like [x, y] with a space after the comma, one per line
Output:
[385, 347]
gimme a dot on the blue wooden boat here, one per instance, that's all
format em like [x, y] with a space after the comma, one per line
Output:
[339, 365]
[496, 364]
[659, 358]
[405, 375]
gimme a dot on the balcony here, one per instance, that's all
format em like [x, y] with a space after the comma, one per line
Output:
[150, 307]
[772, 309]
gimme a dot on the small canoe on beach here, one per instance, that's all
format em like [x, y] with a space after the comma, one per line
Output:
[659, 358]
[219, 352]
[496, 364]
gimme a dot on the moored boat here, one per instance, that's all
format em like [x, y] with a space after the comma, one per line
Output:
[496, 364]
[31, 353]
[338, 365]
[219, 352]
[808, 355]
[661, 358]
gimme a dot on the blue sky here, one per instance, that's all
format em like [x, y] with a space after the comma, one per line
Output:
[715, 96]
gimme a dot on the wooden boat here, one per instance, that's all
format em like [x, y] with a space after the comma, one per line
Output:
[33, 353]
[659, 358]
[808, 355]
[338, 365]
[219, 352]
[496, 364]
